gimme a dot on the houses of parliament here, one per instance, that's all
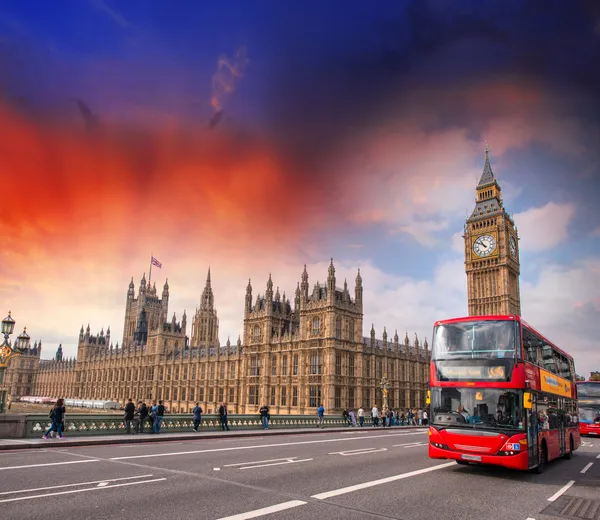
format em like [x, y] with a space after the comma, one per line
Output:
[294, 354]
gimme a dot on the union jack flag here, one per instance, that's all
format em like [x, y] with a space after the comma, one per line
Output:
[156, 263]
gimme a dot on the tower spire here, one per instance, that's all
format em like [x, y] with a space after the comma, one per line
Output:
[487, 176]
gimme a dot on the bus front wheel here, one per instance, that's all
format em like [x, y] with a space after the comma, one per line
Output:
[542, 459]
[569, 454]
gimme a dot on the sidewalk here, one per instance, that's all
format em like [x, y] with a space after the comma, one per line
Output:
[102, 440]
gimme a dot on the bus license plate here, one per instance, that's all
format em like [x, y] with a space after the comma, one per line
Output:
[471, 457]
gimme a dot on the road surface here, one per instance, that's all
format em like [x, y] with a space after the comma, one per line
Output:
[361, 473]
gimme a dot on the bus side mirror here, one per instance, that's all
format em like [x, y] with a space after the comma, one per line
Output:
[527, 401]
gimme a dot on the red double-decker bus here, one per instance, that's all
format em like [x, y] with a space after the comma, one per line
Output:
[500, 394]
[588, 395]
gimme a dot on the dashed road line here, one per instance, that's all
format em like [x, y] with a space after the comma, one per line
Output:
[588, 466]
[265, 510]
[16, 499]
[365, 485]
[237, 448]
[73, 485]
[50, 464]
[561, 491]
[360, 451]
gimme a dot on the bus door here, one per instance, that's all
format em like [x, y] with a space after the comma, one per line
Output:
[530, 407]
[561, 426]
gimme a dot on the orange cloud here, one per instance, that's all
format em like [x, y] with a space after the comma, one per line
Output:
[116, 186]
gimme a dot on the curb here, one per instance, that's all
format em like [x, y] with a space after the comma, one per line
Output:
[133, 439]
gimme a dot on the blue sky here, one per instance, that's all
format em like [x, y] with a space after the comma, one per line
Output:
[375, 117]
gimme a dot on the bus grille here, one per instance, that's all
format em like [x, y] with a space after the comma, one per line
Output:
[479, 449]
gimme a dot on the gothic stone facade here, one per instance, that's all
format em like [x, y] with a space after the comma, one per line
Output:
[491, 252]
[293, 356]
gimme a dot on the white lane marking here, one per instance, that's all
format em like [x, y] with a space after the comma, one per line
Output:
[361, 451]
[216, 469]
[50, 464]
[72, 485]
[277, 463]
[102, 484]
[419, 445]
[588, 466]
[257, 462]
[364, 485]
[598, 457]
[235, 448]
[81, 490]
[561, 491]
[265, 510]
[529, 518]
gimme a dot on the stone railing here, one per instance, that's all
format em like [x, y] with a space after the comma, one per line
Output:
[82, 425]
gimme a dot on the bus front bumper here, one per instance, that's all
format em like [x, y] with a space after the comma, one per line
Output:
[589, 429]
[517, 461]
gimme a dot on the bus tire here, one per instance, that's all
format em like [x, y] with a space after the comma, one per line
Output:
[569, 454]
[542, 459]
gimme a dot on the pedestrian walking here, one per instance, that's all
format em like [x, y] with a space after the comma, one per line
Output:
[197, 411]
[223, 416]
[129, 415]
[264, 416]
[361, 416]
[57, 415]
[425, 417]
[346, 417]
[352, 416]
[321, 415]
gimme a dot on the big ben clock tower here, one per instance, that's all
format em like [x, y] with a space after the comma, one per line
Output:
[491, 252]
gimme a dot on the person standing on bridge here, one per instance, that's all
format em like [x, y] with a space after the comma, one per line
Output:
[142, 414]
[223, 416]
[264, 415]
[375, 416]
[197, 411]
[129, 414]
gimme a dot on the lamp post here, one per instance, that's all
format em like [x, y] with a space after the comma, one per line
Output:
[384, 390]
[7, 352]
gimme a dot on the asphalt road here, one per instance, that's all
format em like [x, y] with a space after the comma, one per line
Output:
[368, 473]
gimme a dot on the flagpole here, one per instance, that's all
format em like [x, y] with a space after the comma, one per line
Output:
[150, 273]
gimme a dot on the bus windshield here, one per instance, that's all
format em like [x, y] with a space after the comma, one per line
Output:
[495, 408]
[589, 414]
[588, 389]
[475, 339]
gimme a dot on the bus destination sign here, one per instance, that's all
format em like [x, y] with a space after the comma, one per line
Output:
[480, 373]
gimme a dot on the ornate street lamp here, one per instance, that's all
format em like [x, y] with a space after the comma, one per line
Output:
[384, 385]
[7, 352]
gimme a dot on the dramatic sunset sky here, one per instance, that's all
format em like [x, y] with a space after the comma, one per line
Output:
[350, 129]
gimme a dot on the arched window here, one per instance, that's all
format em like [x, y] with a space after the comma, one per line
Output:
[256, 333]
[338, 328]
[351, 330]
[316, 325]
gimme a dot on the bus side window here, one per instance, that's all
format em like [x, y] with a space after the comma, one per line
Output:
[530, 342]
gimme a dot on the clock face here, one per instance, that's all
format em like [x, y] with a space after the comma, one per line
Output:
[513, 246]
[484, 245]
